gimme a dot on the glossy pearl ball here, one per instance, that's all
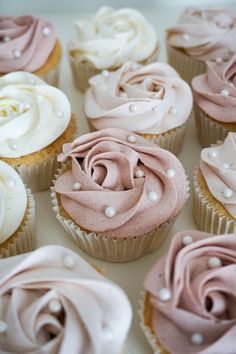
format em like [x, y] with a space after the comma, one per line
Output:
[187, 240]
[164, 294]
[153, 196]
[54, 306]
[110, 212]
[133, 108]
[197, 338]
[139, 173]
[76, 186]
[171, 173]
[16, 53]
[46, 31]
[131, 139]
[227, 193]
[3, 327]
[212, 154]
[224, 92]
[69, 262]
[214, 262]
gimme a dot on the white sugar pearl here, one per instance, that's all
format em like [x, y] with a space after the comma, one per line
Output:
[105, 73]
[164, 294]
[187, 240]
[231, 84]
[68, 262]
[46, 31]
[59, 114]
[110, 212]
[197, 338]
[219, 60]
[27, 106]
[153, 196]
[155, 109]
[212, 154]
[225, 165]
[224, 92]
[139, 173]
[76, 186]
[171, 173]
[185, 36]
[227, 193]
[133, 108]
[6, 39]
[131, 139]
[16, 53]
[173, 110]
[54, 306]
[107, 332]
[11, 183]
[214, 262]
[3, 327]
[13, 145]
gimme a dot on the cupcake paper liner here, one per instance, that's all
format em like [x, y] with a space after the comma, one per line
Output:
[25, 240]
[186, 66]
[206, 216]
[209, 131]
[108, 248]
[51, 76]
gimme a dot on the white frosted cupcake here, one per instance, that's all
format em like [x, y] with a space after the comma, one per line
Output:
[35, 121]
[52, 301]
[17, 214]
[151, 100]
[109, 39]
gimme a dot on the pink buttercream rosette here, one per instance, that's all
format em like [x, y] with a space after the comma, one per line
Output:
[121, 192]
[198, 315]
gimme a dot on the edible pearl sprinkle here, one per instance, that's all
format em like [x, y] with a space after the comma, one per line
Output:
[172, 110]
[131, 139]
[219, 60]
[16, 53]
[185, 36]
[68, 262]
[155, 109]
[27, 106]
[187, 240]
[77, 186]
[54, 306]
[225, 165]
[6, 39]
[59, 114]
[110, 212]
[171, 173]
[139, 173]
[197, 338]
[107, 332]
[224, 92]
[3, 327]
[46, 31]
[153, 196]
[105, 73]
[214, 262]
[11, 183]
[164, 294]
[13, 145]
[212, 153]
[227, 193]
[133, 108]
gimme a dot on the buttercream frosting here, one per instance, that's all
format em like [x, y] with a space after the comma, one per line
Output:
[218, 166]
[215, 91]
[205, 33]
[32, 114]
[200, 315]
[53, 302]
[122, 171]
[113, 36]
[144, 99]
[13, 201]
[25, 43]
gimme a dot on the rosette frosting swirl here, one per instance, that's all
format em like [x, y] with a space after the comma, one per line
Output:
[215, 91]
[206, 34]
[32, 114]
[218, 166]
[127, 185]
[198, 316]
[25, 43]
[151, 99]
[113, 36]
[53, 302]
[13, 201]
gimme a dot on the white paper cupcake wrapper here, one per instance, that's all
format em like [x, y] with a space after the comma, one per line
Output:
[51, 76]
[206, 215]
[186, 66]
[209, 131]
[108, 248]
[26, 238]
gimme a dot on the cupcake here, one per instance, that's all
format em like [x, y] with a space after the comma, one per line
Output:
[52, 301]
[17, 214]
[108, 40]
[215, 188]
[190, 299]
[117, 194]
[35, 121]
[202, 34]
[215, 101]
[150, 100]
[28, 43]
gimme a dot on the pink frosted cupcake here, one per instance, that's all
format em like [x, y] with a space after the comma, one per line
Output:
[190, 299]
[150, 100]
[215, 101]
[117, 194]
[201, 34]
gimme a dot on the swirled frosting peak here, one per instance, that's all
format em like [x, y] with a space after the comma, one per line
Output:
[218, 166]
[25, 43]
[113, 36]
[198, 316]
[53, 302]
[144, 99]
[13, 201]
[205, 33]
[127, 185]
[32, 114]
[215, 91]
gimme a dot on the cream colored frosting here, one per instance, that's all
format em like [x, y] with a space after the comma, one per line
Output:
[113, 36]
[32, 114]
[13, 201]
[53, 302]
[218, 166]
[144, 99]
